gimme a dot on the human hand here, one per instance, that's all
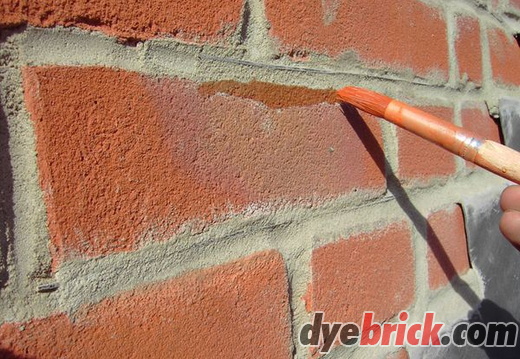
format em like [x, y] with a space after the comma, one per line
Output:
[510, 222]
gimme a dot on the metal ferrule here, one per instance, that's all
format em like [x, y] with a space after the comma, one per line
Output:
[469, 146]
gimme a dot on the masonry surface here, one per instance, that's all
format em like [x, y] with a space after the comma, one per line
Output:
[178, 177]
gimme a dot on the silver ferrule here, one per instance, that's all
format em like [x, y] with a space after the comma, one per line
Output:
[469, 146]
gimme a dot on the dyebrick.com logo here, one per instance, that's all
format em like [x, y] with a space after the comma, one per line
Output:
[324, 335]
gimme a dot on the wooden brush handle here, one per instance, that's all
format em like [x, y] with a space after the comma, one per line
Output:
[499, 159]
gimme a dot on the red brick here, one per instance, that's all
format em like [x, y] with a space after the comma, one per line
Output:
[421, 160]
[468, 48]
[515, 3]
[404, 34]
[447, 246]
[237, 310]
[12, 12]
[366, 272]
[137, 19]
[505, 57]
[123, 156]
[475, 118]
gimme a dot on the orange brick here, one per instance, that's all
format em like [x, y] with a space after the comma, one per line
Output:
[505, 57]
[12, 13]
[237, 310]
[420, 159]
[123, 157]
[400, 34]
[366, 272]
[475, 118]
[447, 246]
[207, 20]
[468, 48]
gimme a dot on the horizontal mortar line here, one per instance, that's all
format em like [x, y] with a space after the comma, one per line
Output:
[312, 70]
[106, 40]
[153, 264]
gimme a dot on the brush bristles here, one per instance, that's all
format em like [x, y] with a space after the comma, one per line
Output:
[365, 100]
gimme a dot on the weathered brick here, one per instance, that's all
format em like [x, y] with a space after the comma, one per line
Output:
[505, 57]
[366, 272]
[125, 158]
[402, 34]
[237, 310]
[207, 20]
[447, 246]
[420, 160]
[468, 48]
[475, 117]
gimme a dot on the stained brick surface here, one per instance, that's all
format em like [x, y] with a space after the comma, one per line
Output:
[468, 48]
[123, 157]
[366, 272]
[237, 310]
[421, 160]
[134, 19]
[447, 246]
[505, 57]
[402, 34]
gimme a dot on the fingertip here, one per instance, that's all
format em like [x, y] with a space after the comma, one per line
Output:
[510, 227]
[510, 198]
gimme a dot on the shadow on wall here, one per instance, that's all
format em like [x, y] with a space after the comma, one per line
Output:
[484, 311]
[6, 199]
[6, 354]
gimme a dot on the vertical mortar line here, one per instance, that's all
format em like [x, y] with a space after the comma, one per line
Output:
[452, 33]
[31, 257]
[297, 256]
[259, 44]
[460, 163]
[390, 148]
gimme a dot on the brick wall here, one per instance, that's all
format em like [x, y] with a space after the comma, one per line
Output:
[178, 181]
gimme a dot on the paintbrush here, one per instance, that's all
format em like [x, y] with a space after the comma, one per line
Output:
[487, 154]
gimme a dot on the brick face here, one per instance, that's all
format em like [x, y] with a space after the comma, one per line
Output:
[237, 310]
[190, 20]
[475, 118]
[381, 35]
[366, 272]
[447, 246]
[123, 156]
[505, 57]
[420, 160]
[468, 48]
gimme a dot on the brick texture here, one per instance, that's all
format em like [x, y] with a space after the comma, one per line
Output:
[237, 310]
[380, 35]
[447, 246]
[468, 48]
[123, 157]
[420, 160]
[132, 19]
[505, 57]
[366, 272]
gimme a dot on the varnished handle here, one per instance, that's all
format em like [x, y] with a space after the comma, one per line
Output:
[499, 159]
